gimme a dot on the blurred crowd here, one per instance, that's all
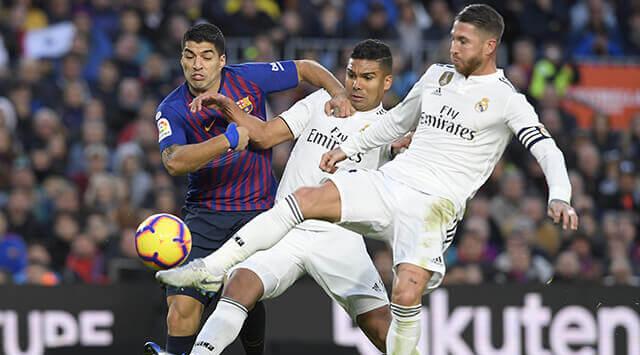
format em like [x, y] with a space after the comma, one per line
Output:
[80, 166]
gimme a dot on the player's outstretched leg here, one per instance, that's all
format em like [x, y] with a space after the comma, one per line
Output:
[240, 295]
[406, 304]
[263, 232]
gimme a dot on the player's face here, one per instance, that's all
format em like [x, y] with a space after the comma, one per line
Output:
[365, 83]
[201, 65]
[470, 47]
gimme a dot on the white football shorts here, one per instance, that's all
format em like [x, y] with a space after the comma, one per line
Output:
[418, 226]
[335, 258]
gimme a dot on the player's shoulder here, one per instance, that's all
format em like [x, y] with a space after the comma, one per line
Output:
[505, 84]
[320, 95]
[174, 101]
[438, 71]
[438, 68]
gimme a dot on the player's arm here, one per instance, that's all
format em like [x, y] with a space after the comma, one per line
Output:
[523, 121]
[263, 135]
[395, 124]
[181, 159]
[315, 74]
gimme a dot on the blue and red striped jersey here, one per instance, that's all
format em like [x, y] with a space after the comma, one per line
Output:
[236, 181]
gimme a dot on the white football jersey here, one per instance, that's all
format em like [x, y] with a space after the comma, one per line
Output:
[462, 127]
[316, 134]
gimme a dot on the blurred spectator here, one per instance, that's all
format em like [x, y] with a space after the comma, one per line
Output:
[156, 75]
[589, 165]
[128, 165]
[409, 29]
[583, 10]
[590, 268]
[621, 274]
[544, 20]
[441, 20]
[331, 22]
[599, 36]
[632, 34]
[99, 46]
[85, 262]
[13, 251]
[523, 59]
[376, 24]
[546, 235]
[567, 268]
[65, 229]
[38, 270]
[20, 217]
[248, 20]
[7, 156]
[517, 264]
[358, 11]
[505, 205]
[551, 69]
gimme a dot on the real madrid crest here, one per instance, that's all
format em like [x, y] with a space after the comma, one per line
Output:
[445, 78]
[482, 105]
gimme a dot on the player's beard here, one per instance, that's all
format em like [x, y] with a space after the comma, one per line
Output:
[466, 68]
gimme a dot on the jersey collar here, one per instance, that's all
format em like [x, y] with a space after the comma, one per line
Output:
[487, 77]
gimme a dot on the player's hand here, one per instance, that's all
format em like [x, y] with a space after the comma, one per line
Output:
[330, 159]
[215, 101]
[561, 211]
[401, 144]
[243, 139]
[339, 106]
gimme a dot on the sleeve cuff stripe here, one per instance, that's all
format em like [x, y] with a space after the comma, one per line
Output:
[527, 136]
[525, 130]
[531, 143]
[530, 139]
[287, 124]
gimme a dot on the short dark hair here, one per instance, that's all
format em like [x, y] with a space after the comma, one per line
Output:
[373, 49]
[483, 17]
[205, 32]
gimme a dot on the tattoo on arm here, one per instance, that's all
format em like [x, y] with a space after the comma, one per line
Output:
[167, 153]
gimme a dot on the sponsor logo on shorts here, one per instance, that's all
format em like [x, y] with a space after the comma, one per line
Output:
[205, 345]
[238, 240]
[376, 287]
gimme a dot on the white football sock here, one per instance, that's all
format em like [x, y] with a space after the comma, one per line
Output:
[221, 329]
[404, 331]
[263, 232]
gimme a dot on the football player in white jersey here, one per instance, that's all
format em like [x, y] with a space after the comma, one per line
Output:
[464, 116]
[335, 257]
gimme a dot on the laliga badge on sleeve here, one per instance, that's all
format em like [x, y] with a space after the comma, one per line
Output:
[164, 129]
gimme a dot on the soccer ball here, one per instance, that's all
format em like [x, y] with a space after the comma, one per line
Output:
[163, 241]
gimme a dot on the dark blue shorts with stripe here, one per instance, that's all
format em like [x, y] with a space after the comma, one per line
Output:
[209, 230]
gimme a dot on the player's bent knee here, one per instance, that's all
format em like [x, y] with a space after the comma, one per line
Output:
[320, 202]
[409, 285]
[183, 317]
[406, 297]
[245, 287]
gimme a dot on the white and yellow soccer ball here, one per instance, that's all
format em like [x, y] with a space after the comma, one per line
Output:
[163, 241]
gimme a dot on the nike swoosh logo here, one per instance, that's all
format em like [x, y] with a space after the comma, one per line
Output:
[207, 128]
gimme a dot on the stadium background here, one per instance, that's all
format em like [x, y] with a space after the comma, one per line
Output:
[80, 165]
